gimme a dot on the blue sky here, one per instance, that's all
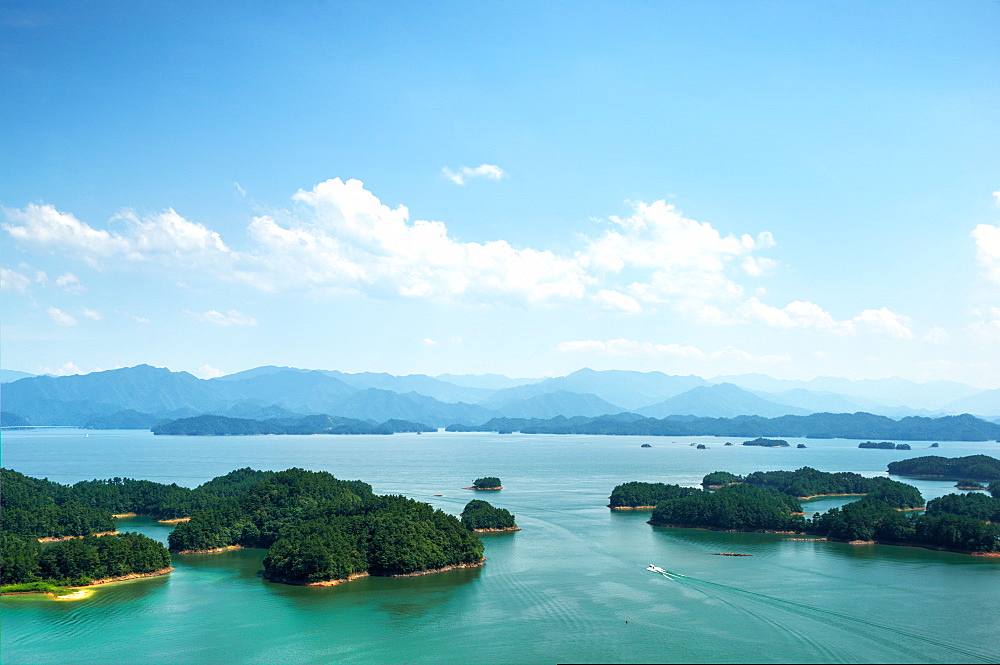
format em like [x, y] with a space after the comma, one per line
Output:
[797, 189]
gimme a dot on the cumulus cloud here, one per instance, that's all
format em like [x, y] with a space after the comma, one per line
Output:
[986, 330]
[208, 372]
[987, 239]
[808, 315]
[60, 318]
[66, 369]
[488, 171]
[69, 282]
[11, 280]
[936, 335]
[166, 236]
[230, 318]
[94, 315]
[340, 238]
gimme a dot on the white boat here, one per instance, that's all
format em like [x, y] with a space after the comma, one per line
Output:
[656, 569]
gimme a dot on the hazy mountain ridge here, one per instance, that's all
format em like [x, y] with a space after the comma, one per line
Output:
[144, 393]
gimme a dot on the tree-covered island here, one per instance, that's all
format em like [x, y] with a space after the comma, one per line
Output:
[487, 483]
[481, 517]
[644, 496]
[767, 443]
[766, 501]
[208, 425]
[319, 530]
[972, 467]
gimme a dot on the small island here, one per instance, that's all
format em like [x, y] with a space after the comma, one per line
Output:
[489, 484]
[970, 485]
[884, 445]
[481, 517]
[638, 495]
[646, 445]
[808, 483]
[972, 467]
[801, 445]
[767, 443]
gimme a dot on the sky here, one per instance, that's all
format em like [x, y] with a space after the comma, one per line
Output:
[711, 188]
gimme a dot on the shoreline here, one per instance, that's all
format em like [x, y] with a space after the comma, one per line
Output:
[358, 576]
[631, 507]
[819, 496]
[85, 591]
[211, 550]
[484, 489]
[59, 539]
[710, 528]
[175, 520]
[509, 528]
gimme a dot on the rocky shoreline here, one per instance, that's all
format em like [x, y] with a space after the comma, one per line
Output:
[59, 539]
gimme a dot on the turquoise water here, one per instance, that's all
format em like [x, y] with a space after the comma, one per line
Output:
[570, 587]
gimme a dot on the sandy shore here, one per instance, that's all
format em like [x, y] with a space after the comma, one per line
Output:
[81, 592]
[708, 528]
[820, 496]
[59, 539]
[131, 576]
[227, 548]
[118, 516]
[510, 528]
[631, 507]
[484, 489]
[176, 520]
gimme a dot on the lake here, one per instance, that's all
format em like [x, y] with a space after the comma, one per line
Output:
[570, 587]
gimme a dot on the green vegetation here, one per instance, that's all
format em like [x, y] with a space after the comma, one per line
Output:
[36, 587]
[973, 504]
[735, 507]
[489, 482]
[768, 443]
[874, 520]
[78, 561]
[972, 467]
[817, 426]
[40, 508]
[482, 515]
[321, 424]
[884, 445]
[320, 528]
[8, 419]
[809, 482]
[994, 489]
[635, 494]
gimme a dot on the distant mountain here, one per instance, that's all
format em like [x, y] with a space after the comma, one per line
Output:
[73, 400]
[485, 381]
[631, 390]
[11, 375]
[559, 403]
[300, 391]
[417, 383]
[719, 401]
[986, 403]
[891, 392]
[378, 405]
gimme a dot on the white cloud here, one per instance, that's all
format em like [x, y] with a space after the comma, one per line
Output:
[90, 314]
[69, 282]
[996, 198]
[67, 369]
[339, 238]
[230, 318]
[987, 239]
[208, 372]
[428, 341]
[617, 302]
[60, 318]
[242, 192]
[11, 280]
[139, 319]
[807, 315]
[166, 236]
[985, 330]
[459, 177]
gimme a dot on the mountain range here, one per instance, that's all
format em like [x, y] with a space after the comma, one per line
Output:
[142, 396]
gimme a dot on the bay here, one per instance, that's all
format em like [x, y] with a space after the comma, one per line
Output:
[570, 587]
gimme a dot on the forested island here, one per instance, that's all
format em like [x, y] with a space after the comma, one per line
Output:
[88, 551]
[321, 424]
[644, 496]
[808, 483]
[766, 501]
[971, 467]
[818, 426]
[767, 443]
[884, 445]
[319, 530]
[487, 483]
[481, 516]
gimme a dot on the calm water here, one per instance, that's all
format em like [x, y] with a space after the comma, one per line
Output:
[569, 587]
